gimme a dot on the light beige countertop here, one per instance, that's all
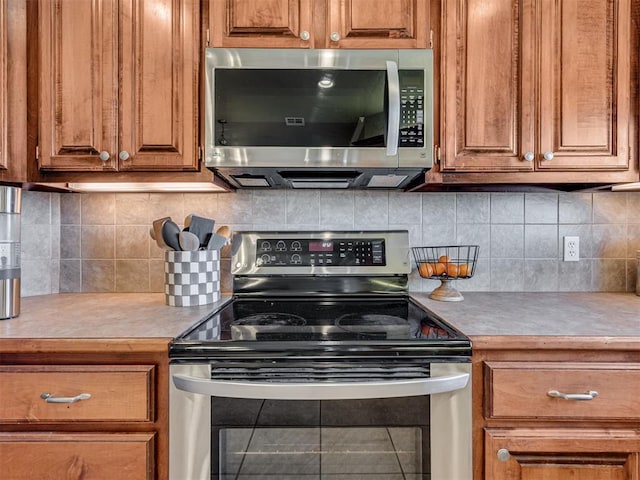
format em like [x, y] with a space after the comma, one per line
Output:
[102, 316]
[601, 317]
[607, 319]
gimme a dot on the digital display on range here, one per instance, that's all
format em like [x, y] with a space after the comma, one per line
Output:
[326, 253]
[323, 246]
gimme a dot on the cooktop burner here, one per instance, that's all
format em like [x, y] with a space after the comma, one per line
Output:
[321, 319]
[270, 319]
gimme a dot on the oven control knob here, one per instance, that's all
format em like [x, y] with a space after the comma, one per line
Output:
[296, 259]
[296, 246]
[265, 246]
[264, 259]
[280, 246]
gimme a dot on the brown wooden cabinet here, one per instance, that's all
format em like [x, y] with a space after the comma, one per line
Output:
[556, 412]
[110, 419]
[118, 85]
[539, 87]
[319, 23]
[13, 101]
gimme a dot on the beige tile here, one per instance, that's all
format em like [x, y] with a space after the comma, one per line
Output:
[98, 208]
[70, 209]
[98, 242]
[132, 209]
[132, 242]
[132, 275]
[70, 276]
[70, 241]
[156, 275]
[166, 205]
[202, 204]
[609, 207]
[98, 276]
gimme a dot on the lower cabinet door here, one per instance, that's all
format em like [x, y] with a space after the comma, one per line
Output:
[76, 456]
[558, 454]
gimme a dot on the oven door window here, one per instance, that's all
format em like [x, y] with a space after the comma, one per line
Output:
[329, 440]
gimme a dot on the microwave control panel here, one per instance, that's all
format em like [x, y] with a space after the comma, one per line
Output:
[321, 253]
[411, 116]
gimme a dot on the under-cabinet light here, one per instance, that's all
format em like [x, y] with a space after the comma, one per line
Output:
[626, 187]
[145, 187]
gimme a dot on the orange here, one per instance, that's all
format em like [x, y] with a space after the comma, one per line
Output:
[464, 270]
[440, 268]
[452, 270]
[425, 269]
[444, 259]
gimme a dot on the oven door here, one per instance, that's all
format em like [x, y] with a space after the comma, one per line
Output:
[408, 429]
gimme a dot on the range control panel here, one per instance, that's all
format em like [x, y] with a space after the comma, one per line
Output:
[321, 252]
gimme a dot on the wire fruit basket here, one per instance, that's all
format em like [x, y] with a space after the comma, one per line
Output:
[446, 263]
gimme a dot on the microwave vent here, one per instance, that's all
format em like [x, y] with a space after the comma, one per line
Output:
[386, 181]
[294, 121]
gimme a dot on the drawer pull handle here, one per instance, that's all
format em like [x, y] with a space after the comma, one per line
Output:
[47, 397]
[590, 395]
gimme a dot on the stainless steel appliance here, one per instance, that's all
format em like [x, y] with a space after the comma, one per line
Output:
[298, 118]
[10, 205]
[321, 366]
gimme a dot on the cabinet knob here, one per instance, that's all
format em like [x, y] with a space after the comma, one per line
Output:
[548, 155]
[124, 155]
[335, 36]
[104, 156]
[503, 455]
[304, 35]
[529, 156]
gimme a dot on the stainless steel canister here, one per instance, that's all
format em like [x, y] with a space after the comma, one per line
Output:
[10, 205]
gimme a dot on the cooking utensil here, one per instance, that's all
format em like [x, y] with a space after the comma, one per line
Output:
[236, 242]
[187, 221]
[216, 242]
[188, 241]
[170, 232]
[157, 232]
[201, 227]
[224, 231]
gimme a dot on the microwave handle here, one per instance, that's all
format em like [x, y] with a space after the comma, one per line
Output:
[393, 126]
[321, 391]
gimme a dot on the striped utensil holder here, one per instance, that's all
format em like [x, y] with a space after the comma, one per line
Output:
[191, 278]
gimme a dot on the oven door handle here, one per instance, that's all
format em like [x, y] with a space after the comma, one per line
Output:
[321, 391]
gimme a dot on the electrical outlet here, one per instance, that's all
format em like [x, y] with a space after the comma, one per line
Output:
[571, 249]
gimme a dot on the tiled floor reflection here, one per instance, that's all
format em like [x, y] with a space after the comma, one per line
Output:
[321, 453]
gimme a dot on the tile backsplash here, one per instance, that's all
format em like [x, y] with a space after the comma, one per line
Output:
[100, 242]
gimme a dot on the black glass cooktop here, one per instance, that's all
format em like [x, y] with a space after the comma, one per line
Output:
[329, 323]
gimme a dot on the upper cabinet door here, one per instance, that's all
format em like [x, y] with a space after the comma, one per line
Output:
[378, 23]
[159, 42]
[118, 85]
[488, 84]
[261, 23]
[319, 23]
[537, 86]
[585, 55]
[78, 85]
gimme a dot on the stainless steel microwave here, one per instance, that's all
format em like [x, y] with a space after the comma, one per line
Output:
[305, 118]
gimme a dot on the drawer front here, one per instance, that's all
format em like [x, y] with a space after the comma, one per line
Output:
[521, 390]
[118, 393]
[76, 456]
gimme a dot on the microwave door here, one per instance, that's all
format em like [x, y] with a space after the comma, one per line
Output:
[393, 125]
